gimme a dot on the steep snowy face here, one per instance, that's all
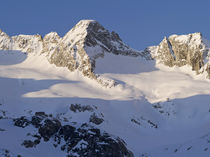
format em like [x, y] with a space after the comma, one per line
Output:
[180, 50]
[70, 50]
[90, 33]
[86, 42]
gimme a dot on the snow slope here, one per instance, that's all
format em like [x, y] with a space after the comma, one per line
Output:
[156, 110]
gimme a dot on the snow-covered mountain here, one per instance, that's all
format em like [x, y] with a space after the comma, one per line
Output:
[54, 99]
[77, 50]
[180, 50]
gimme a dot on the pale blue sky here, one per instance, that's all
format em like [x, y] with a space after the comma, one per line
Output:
[140, 23]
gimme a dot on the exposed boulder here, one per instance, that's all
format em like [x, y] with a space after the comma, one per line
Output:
[21, 122]
[49, 128]
[81, 108]
[96, 119]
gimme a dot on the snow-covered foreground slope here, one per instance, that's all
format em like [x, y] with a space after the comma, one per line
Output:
[157, 111]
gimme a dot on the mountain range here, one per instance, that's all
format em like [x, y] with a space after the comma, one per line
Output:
[89, 94]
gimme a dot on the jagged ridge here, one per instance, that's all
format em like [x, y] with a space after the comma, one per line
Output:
[77, 50]
[180, 50]
[88, 40]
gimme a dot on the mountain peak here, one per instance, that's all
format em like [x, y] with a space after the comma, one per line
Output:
[51, 34]
[88, 24]
[87, 21]
[77, 50]
[83, 28]
[193, 39]
[90, 33]
[189, 49]
[84, 43]
[84, 25]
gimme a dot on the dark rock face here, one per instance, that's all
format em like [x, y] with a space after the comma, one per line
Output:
[85, 140]
[32, 143]
[98, 35]
[80, 108]
[95, 119]
[37, 119]
[49, 128]
[29, 143]
[67, 131]
[21, 122]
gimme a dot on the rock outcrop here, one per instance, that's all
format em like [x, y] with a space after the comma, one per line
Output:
[180, 50]
[5, 41]
[84, 140]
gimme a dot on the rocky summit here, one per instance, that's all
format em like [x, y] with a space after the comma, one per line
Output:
[180, 50]
[88, 40]
[77, 50]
